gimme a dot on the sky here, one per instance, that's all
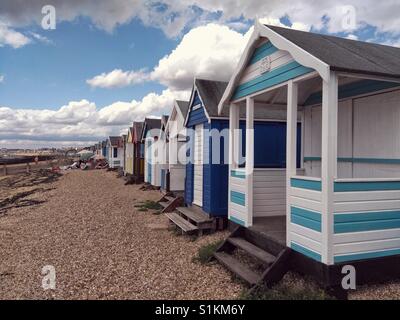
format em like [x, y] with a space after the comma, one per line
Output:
[108, 63]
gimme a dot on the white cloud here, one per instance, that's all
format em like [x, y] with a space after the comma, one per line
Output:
[118, 78]
[175, 16]
[79, 122]
[211, 51]
[11, 37]
[40, 38]
[2, 77]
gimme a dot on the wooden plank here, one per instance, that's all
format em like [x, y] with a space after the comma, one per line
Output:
[185, 225]
[194, 216]
[237, 268]
[253, 250]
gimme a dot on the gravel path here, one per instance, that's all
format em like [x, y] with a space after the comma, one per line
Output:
[102, 247]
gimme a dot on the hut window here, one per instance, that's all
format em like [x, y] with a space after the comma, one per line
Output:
[115, 153]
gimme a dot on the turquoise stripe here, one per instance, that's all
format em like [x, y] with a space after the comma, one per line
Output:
[353, 89]
[235, 220]
[269, 79]
[366, 216]
[238, 174]
[367, 255]
[306, 184]
[359, 160]
[238, 198]
[262, 52]
[367, 186]
[307, 252]
[348, 227]
[306, 218]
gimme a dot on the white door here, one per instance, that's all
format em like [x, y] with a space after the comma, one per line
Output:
[198, 166]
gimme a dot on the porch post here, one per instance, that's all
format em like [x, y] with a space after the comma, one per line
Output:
[249, 158]
[329, 163]
[291, 149]
[233, 135]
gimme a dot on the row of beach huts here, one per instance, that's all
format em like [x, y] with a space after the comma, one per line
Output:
[298, 155]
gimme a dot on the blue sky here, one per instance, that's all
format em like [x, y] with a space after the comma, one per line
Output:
[49, 75]
[111, 62]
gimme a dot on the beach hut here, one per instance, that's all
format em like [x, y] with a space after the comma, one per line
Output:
[162, 145]
[176, 137]
[138, 153]
[149, 137]
[342, 200]
[115, 149]
[129, 151]
[206, 182]
[173, 176]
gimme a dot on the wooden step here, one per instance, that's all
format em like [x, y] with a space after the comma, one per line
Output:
[182, 223]
[163, 204]
[238, 268]
[194, 216]
[169, 199]
[253, 250]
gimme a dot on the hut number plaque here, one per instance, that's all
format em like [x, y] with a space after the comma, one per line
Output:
[265, 64]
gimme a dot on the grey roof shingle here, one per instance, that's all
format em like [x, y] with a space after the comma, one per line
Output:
[115, 141]
[183, 106]
[346, 55]
[211, 93]
[149, 124]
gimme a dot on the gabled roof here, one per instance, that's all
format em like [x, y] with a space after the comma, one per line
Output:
[149, 124]
[137, 131]
[322, 53]
[183, 107]
[210, 92]
[346, 55]
[115, 141]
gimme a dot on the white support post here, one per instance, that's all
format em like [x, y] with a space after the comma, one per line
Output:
[329, 163]
[233, 135]
[249, 158]
[291, 149]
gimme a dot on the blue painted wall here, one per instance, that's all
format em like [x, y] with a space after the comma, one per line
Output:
[270, 144]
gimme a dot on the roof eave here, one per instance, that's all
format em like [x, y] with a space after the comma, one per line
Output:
[299, 54]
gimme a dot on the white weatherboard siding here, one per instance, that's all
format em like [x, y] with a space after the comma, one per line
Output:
[269, 192]
[306, 237]
[238, 211]
[368, 130]
[175, 146]
[377, 203]
[198, 166]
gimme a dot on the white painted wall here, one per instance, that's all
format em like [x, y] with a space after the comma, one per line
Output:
[368, 127]
[198, 166]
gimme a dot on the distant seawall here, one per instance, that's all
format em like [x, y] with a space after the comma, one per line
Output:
[24, 159]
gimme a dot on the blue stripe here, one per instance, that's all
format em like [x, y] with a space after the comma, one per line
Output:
[359, 160]
[235, 220]
[307, 252]
[238, 174]
[263, 51]
[238, 198]
[269, 79]
[367, 186]
[306, 218]
[367, 255]
[366, 221]
[306, 184]
[353, 89]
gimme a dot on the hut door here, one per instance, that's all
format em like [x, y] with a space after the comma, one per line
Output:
[198, 166]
